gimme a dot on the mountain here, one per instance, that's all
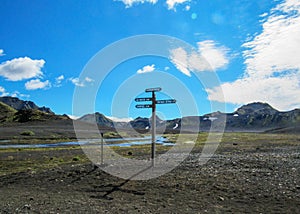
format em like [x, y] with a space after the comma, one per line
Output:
[18, 104]
[99, 118]
[145, 123]
[261, 116]
[13, 109]
[36, 115]
[255, 116]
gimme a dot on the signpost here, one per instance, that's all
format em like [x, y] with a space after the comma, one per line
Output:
[153, 106]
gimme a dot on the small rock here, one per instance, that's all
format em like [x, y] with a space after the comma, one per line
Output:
[221, 198]
[26, 206]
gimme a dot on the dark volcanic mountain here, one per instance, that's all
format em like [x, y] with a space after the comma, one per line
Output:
[261, 116]
[13, 109]
[18, 104]
[251, 117]
[99, 118]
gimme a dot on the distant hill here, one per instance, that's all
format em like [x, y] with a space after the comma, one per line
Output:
[256, 117]
[18, 104]
[36, 115]
[100, 119]
[262, 116]
[13, 109]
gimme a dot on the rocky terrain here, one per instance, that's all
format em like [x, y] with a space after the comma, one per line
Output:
[244, 176]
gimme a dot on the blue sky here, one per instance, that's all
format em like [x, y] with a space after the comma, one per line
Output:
[252, 46]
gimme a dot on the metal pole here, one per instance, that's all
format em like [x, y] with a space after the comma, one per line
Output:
[153, 127]
[102, 148]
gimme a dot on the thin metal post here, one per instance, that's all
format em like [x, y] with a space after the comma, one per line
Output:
[153, 127]
[102, 142]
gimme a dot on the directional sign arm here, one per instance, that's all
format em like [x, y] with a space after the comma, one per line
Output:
[142, 99]
[153, 89]
[144, 106]
[165, 101]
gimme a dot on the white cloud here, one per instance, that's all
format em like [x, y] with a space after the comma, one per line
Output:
[146, 69]
[18, 94]
[58, 81]
[281, 92]
[277, 48]
[208, 57]
[3, 92]
[87, 79]
[129, 3]
[37, 84]
[2, 52]
[272, 62]
[60, 78]
[76, 82]
[179, 57]
[215, 55]
[21, 68]
[81, 83]
[172, 3]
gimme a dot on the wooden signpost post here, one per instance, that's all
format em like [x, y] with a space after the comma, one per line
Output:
[153, 106]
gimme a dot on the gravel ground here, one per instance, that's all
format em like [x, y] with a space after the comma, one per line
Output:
[252, 181]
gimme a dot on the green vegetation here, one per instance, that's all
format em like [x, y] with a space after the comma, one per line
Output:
[33, 160]
[27, 133]
[76, 158]
[17, 160]
[111, 135]
[6, 113]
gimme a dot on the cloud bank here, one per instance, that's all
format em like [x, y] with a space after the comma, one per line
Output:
[272, 62]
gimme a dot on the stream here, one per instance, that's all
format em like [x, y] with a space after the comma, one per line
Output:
[108, 142]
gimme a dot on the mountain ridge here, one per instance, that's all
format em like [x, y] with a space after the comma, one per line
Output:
[256, 116]
[19, 104]
[13, 109]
